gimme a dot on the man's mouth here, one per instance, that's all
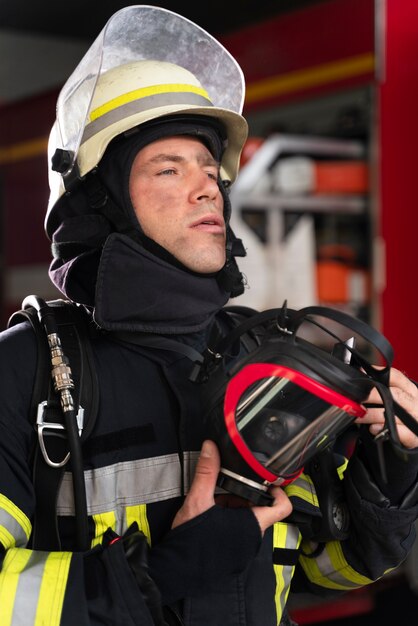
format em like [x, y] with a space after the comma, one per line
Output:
[211, 224]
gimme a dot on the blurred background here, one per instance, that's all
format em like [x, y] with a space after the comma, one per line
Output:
[326, 201]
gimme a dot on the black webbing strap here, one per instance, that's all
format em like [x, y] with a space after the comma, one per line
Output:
[285, 556]
[47, 481]
[407, 419]
[371, 335]
[224, 343]
[73, 324]
[294, 319]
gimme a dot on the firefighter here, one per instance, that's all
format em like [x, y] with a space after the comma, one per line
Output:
[141, 156]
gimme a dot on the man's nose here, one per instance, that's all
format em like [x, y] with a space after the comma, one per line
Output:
[204, 187]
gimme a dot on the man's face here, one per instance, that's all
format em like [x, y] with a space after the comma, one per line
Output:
[174, 191]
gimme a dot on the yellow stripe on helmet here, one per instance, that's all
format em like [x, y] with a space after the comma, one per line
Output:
[145, 92]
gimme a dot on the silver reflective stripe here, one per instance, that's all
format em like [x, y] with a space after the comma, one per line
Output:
[284, 536]
[189, 468]
[304, 489]
[344, 577]
[144, 481]
[293, 538]
[9, 525]
[143, 104]
[28, 590]
[304, 482]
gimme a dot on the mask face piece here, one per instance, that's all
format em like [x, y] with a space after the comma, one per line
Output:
[278, 418]
[282, 401]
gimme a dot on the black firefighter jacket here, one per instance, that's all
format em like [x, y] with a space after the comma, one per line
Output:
[138, 465]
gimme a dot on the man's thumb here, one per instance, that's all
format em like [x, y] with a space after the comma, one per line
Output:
[202, 490]
[207, 469]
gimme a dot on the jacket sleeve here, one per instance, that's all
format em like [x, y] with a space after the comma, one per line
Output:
[382, 524]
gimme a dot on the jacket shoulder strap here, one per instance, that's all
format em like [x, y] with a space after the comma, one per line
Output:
[74, 328]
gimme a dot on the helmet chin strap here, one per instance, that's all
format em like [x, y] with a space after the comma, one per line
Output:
[229, 277]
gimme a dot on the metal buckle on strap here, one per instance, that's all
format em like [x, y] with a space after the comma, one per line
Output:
[56, 429]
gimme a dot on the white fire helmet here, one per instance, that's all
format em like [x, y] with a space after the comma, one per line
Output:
[146, 63]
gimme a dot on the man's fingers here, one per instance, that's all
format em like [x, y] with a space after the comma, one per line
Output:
[268, 515]
[201, 495]
[405, 393]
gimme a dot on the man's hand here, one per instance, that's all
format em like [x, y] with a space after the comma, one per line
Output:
[405, 393]
[201, 496]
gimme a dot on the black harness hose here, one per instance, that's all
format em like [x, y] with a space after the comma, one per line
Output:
[63, 384]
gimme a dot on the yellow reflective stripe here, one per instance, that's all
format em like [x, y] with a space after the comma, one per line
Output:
[14, 563]
[18, 515]
[340, 565]
[103, 521]
[298, 489]
[52, 592]
[331, 570]
[303, 494]
[144, 92]
[341, 469]
[138, 514]
[279, 540]
[6, 538]
[284, 536]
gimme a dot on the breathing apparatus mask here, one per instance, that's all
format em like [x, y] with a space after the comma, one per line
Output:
[284, 403]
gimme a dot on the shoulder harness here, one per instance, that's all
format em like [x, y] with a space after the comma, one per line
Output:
[64, 406]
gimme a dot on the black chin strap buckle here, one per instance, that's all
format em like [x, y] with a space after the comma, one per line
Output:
[64, 162]
[237, 248]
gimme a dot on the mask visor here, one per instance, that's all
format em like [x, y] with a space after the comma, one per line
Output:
[279, 418]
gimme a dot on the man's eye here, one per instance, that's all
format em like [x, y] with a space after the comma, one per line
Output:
[167, 172]
[213, 175]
